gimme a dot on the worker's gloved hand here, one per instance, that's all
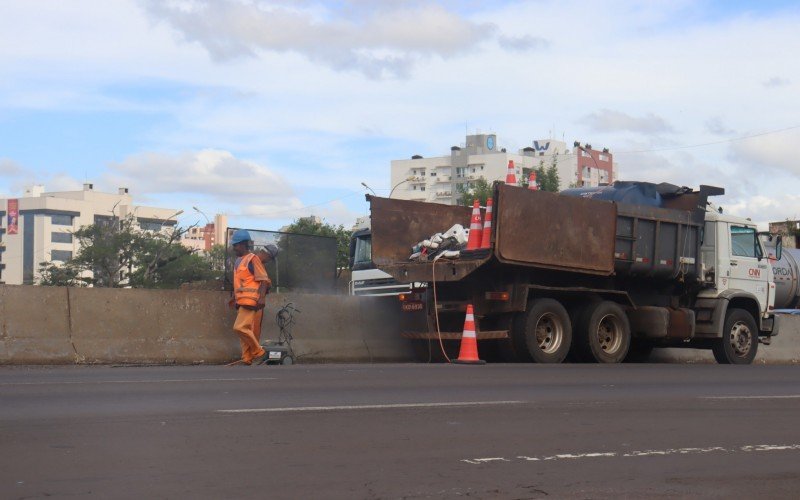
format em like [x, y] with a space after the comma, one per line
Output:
[260, 305]
[231, 303]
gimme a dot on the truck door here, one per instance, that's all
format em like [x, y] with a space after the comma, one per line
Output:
[749, 269]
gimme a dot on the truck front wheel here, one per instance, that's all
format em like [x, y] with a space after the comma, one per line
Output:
[739, 341]
[603, 332]
[548, 331]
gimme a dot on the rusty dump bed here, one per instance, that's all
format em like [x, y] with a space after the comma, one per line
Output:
[531, 228]
[540, 230]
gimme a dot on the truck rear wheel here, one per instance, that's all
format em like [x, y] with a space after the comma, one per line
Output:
[548, 331]
[603, 333]
[739, 342]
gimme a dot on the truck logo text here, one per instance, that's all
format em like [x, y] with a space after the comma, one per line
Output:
[754, 273]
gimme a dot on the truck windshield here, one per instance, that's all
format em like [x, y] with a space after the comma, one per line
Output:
[744, 242]
[363, 251]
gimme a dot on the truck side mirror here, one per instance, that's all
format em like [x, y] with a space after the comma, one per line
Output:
[778, 247]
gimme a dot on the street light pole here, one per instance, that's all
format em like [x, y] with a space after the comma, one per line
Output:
[401, 182]
[365, 185]
[201, 213]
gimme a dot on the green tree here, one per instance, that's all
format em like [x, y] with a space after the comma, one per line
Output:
[107, 249]
[479, 189]
[546, 177]
[67, 274]
[551, 177]
[118, 253]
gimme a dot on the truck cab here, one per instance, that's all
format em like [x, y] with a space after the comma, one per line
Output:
[366, 279]
[735, 260]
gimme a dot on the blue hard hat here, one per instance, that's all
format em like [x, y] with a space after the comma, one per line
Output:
[239, 236]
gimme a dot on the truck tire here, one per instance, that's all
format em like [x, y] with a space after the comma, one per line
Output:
[739, 342]
[548, 331]
[603, 333]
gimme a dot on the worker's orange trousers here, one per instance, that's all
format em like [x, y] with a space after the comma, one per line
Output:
[243, 327]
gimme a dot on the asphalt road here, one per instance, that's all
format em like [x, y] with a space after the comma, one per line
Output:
[400, 431]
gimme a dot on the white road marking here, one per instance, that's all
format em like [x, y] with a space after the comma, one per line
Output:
[788, 396]
[484, 460]
[370, 407]
[639, 454]
[160, 381]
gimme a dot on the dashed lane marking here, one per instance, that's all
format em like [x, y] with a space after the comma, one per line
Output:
[371, 407]
[637, 454]
[786, 396]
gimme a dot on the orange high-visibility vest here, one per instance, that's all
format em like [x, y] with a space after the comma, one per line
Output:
[245, 286]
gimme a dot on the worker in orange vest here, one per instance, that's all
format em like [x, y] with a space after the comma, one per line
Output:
[265, 254]
[250, 284]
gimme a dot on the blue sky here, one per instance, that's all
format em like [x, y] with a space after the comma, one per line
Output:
[278, 109]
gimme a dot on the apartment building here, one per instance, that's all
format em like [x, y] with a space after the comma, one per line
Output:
[203, 238]
[39, 226]
[437, 179]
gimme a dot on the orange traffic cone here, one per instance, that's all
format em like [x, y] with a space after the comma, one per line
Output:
[475, 230]
[532, 185]
[511, 177]
[468, 354]
[487, 225]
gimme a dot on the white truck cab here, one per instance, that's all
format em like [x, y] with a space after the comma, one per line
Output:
[740, 296]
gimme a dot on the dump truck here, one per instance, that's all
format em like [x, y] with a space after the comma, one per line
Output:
[596, 274]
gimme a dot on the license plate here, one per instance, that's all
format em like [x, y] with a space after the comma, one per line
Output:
[274, 354]
[412, 306]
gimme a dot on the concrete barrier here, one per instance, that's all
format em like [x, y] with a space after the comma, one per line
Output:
[35, 325]
[784, 349]
[151, 326]
[51, 325]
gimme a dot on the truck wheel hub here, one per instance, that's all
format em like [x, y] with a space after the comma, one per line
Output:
[741, 339]
[549, 333]
[609, 334]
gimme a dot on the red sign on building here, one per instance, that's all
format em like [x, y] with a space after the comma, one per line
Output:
[13, 216]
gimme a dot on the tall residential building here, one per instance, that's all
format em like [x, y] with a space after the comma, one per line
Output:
[39, 226]
[203, 238]
[437, 179]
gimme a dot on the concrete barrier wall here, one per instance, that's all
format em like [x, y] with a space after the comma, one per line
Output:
[52, 325]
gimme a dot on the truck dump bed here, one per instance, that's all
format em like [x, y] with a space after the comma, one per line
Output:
[537, 229]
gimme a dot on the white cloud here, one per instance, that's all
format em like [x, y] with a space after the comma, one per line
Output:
[716, 126]
[521, 43]
[379, 41]
[214, 173]
[10, 168]
[607, 120]
[775, 151]
[777, 81]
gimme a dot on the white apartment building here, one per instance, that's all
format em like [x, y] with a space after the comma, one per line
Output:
[436, 179]
[38, 227]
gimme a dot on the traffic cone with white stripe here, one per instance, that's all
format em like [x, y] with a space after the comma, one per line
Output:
[475, 229]
[487, 225]
[468, 354]
[532, 185]
[511, 177]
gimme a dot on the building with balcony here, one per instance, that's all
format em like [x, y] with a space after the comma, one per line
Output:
[39, 226]
[202, 239]
[438, 179]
